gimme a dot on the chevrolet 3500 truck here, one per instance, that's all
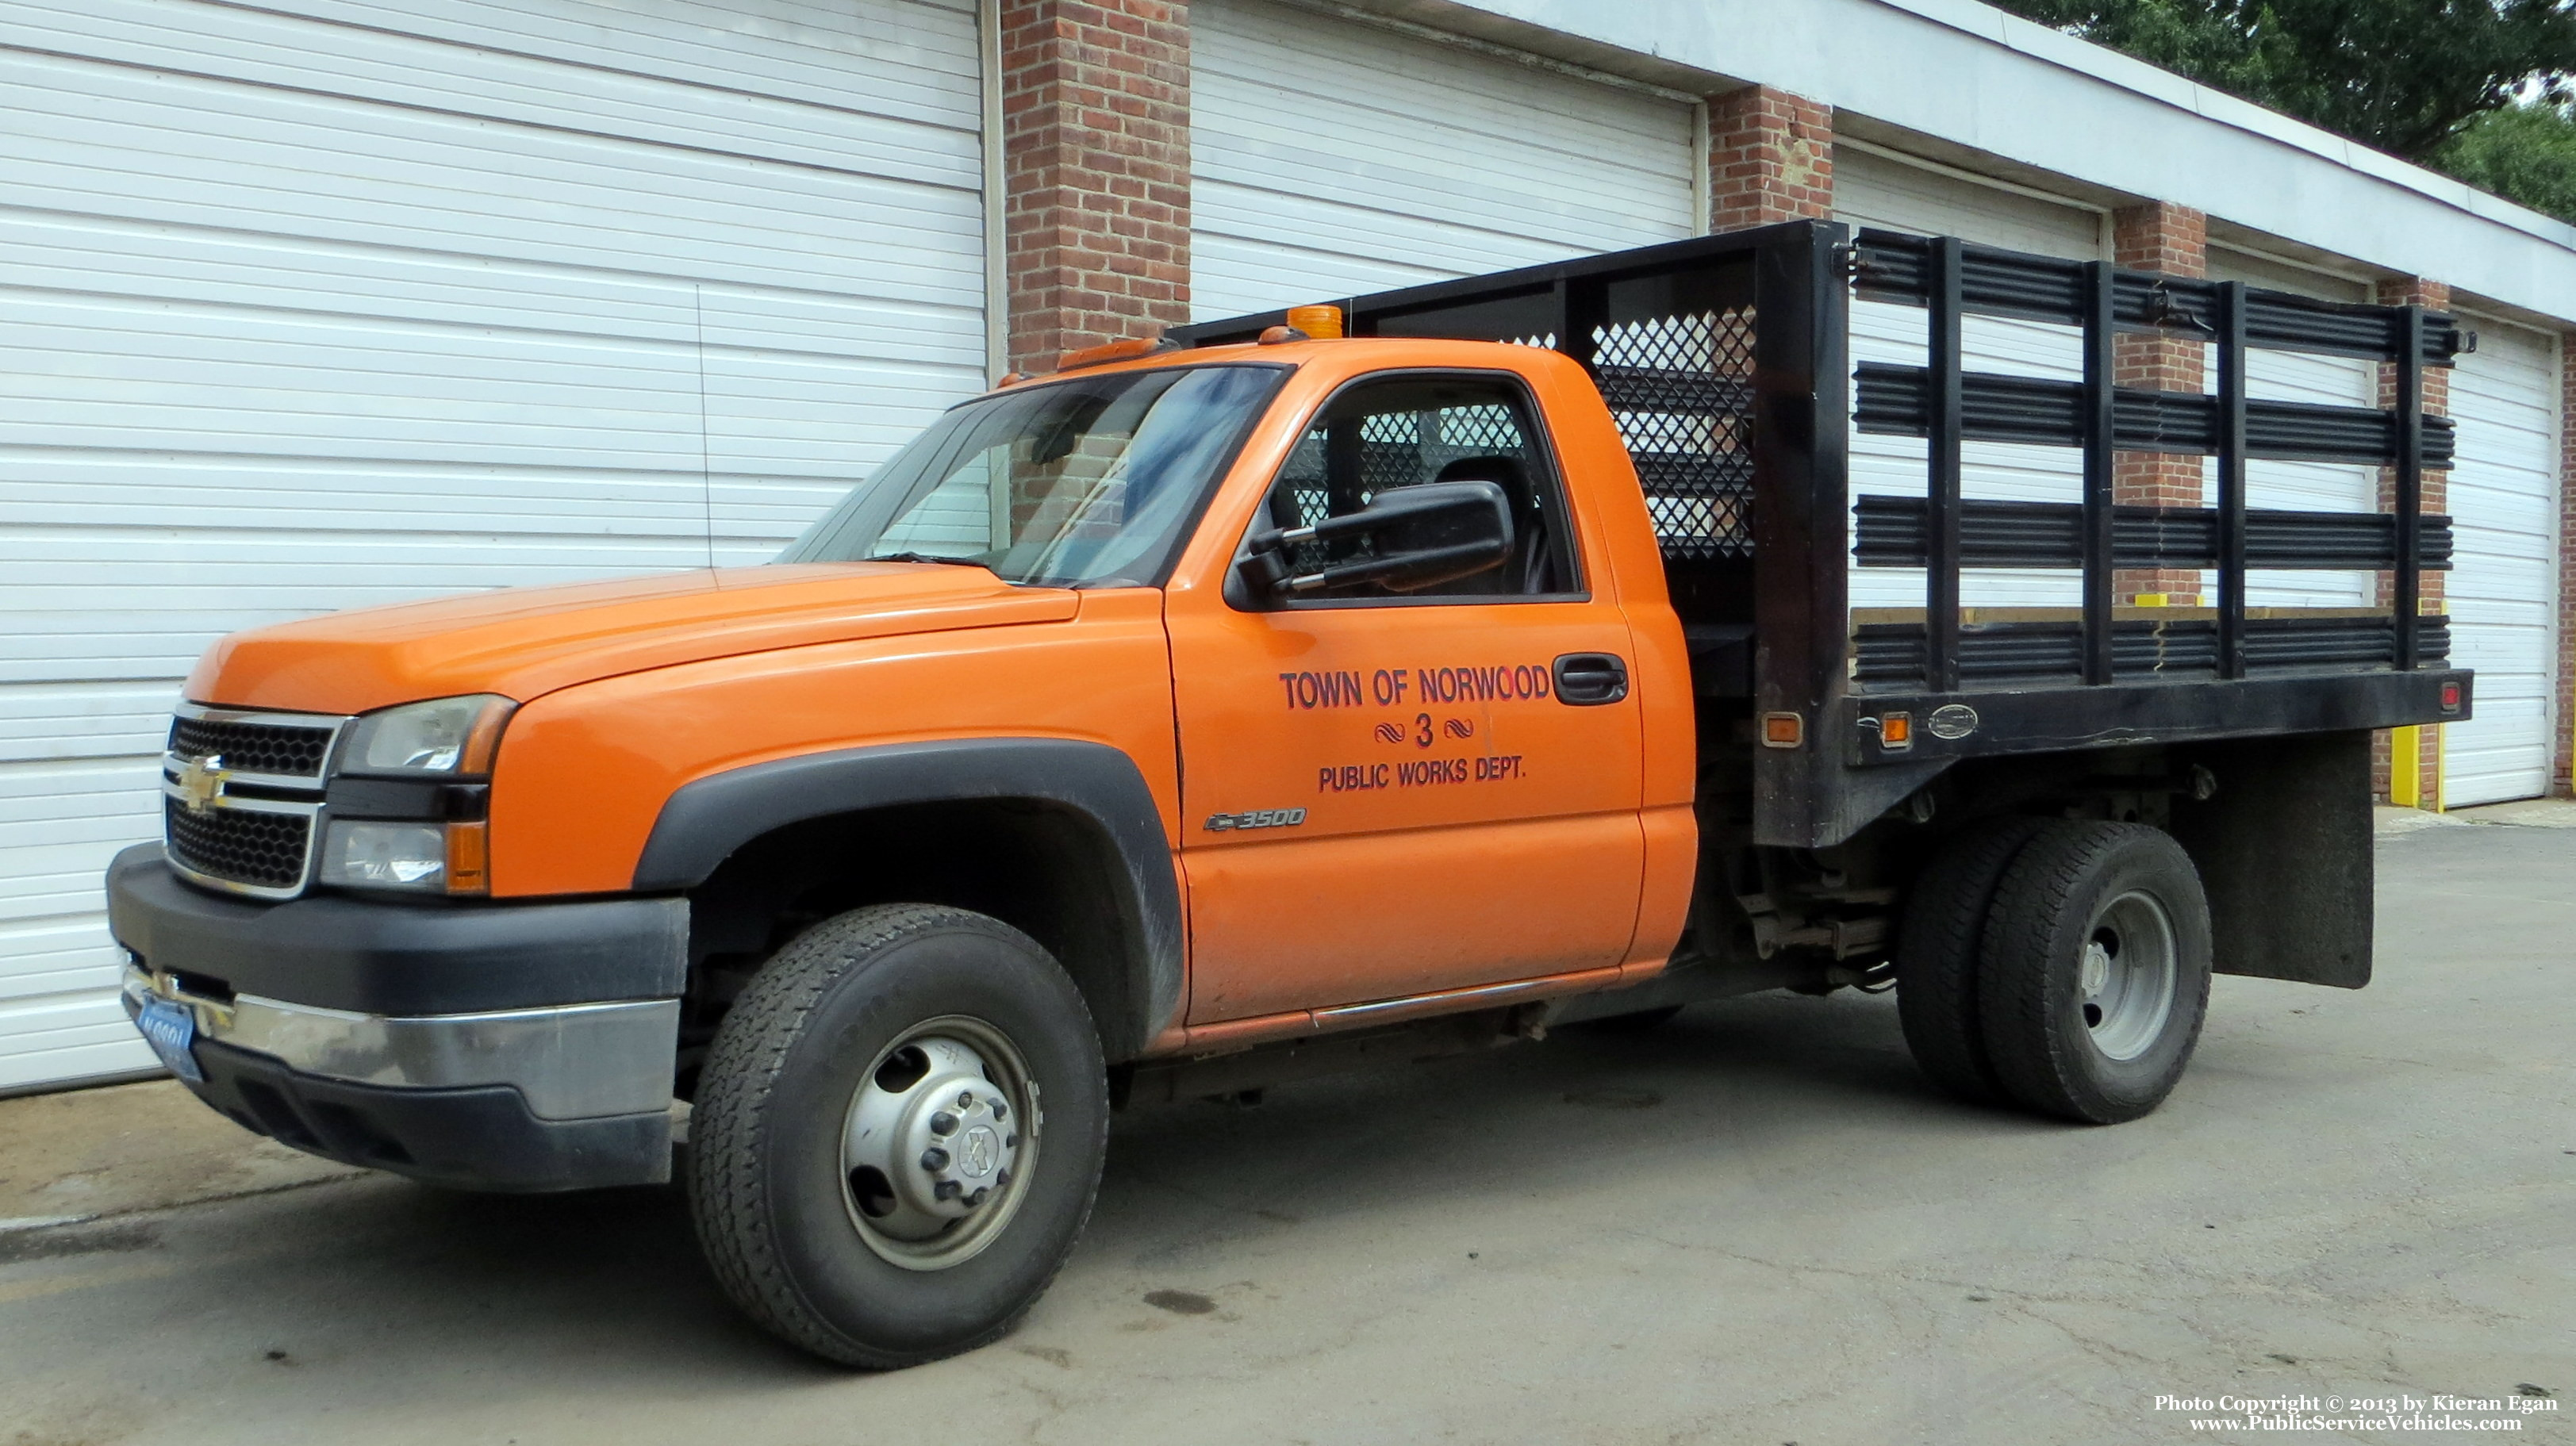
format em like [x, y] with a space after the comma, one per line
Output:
[1261, 700]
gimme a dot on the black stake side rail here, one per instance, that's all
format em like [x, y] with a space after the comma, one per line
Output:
[1889, 532]
[1897, 401]
[1892, 266]
[1939, 402]
[2142, 649]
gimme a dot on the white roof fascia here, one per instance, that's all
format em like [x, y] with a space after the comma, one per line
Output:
[1971, 75]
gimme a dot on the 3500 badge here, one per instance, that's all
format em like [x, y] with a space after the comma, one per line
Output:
[1258, 818]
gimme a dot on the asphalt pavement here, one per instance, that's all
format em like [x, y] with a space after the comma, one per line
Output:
[1755, 1225]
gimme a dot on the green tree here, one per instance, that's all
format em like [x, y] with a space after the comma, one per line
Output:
[2526, 153]
[2402, 75]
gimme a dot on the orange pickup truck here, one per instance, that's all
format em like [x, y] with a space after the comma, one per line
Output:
[1262, 700]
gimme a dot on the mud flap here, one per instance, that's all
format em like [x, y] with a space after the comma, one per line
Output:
[2284, 849]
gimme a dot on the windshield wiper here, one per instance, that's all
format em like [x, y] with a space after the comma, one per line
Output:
[927, 557]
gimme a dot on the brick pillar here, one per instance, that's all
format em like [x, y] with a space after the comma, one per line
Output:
[2432, 296]
[1096, 171]
[2564, 775]
[1770, 158]
[2172, 239]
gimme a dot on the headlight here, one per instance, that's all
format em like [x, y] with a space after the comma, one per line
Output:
[444, 736]
[387, 856]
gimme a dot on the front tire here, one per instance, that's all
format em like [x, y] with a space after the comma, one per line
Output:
[897, 1135]
[2095, 971]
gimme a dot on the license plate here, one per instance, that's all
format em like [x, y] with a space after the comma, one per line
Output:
[171, 1030]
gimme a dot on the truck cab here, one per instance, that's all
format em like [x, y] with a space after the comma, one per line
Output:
[1264, 700]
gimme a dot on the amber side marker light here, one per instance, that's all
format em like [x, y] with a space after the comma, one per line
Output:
[1895, 731]
[469, 857]
[1783, 730]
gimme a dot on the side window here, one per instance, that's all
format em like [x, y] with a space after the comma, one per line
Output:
[1408, 430]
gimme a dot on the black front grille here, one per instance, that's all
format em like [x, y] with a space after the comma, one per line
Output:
[254, 747]
[238, 844]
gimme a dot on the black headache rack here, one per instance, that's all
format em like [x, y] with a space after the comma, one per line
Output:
[1725, 361]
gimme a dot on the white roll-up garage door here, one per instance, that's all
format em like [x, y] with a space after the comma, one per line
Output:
[321, 303]
[1331, 158]
[1874, 190]
[2502, 588]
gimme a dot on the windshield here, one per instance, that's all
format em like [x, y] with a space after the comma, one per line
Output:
[1088, 482]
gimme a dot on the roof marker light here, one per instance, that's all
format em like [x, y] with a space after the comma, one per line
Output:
[1114, 351]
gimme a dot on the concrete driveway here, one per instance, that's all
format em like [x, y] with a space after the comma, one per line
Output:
[1757, 1225]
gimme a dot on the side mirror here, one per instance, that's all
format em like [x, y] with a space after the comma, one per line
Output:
[1418, 537]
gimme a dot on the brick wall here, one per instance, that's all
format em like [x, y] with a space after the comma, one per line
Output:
[2432, 296]
[2563, 774]
[2174, 240]
[1770, 158]
[1096, 171]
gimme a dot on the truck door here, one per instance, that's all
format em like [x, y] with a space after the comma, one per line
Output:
[1387, 795]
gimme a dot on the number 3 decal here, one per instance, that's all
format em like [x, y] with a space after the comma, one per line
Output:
[1423, 738]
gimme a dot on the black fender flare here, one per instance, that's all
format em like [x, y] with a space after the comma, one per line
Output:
[706, 820]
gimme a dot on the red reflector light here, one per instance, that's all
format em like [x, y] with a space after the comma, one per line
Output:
[2451, 697]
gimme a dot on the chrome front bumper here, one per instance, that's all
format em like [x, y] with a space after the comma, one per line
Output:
[570, 1062]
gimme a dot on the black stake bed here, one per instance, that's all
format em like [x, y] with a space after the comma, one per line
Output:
[1725, 361]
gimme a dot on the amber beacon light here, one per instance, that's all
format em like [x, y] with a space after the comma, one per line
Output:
[1320, 322]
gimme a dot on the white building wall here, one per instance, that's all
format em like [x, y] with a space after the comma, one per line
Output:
[1332, 159]
[335, 302]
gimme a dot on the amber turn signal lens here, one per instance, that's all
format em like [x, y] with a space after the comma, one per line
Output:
[1783, 730]
[1896, 730]
[469, 858]
[1323, 322]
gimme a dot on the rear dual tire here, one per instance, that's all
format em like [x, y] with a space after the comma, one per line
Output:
[2061, 965]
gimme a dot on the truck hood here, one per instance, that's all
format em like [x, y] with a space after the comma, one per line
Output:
[521, 642]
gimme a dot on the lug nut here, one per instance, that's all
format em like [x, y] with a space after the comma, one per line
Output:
[1003, 1178]
[978, 1197]
[1001, 1111]
[943, 1123]
[947, 1190]
[934, 1159]
[965, 1099]
[1010, 1142]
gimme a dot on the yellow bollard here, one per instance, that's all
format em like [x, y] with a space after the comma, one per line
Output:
[2406, 767]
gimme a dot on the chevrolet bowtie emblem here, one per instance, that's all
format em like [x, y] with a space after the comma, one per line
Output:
[201, 782]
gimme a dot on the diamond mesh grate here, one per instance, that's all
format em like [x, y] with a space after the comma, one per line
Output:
[1680, 388]
[265, 849]
[253, 747]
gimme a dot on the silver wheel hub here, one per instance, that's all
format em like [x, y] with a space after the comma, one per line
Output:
[2126, 980]
[936, 1136]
